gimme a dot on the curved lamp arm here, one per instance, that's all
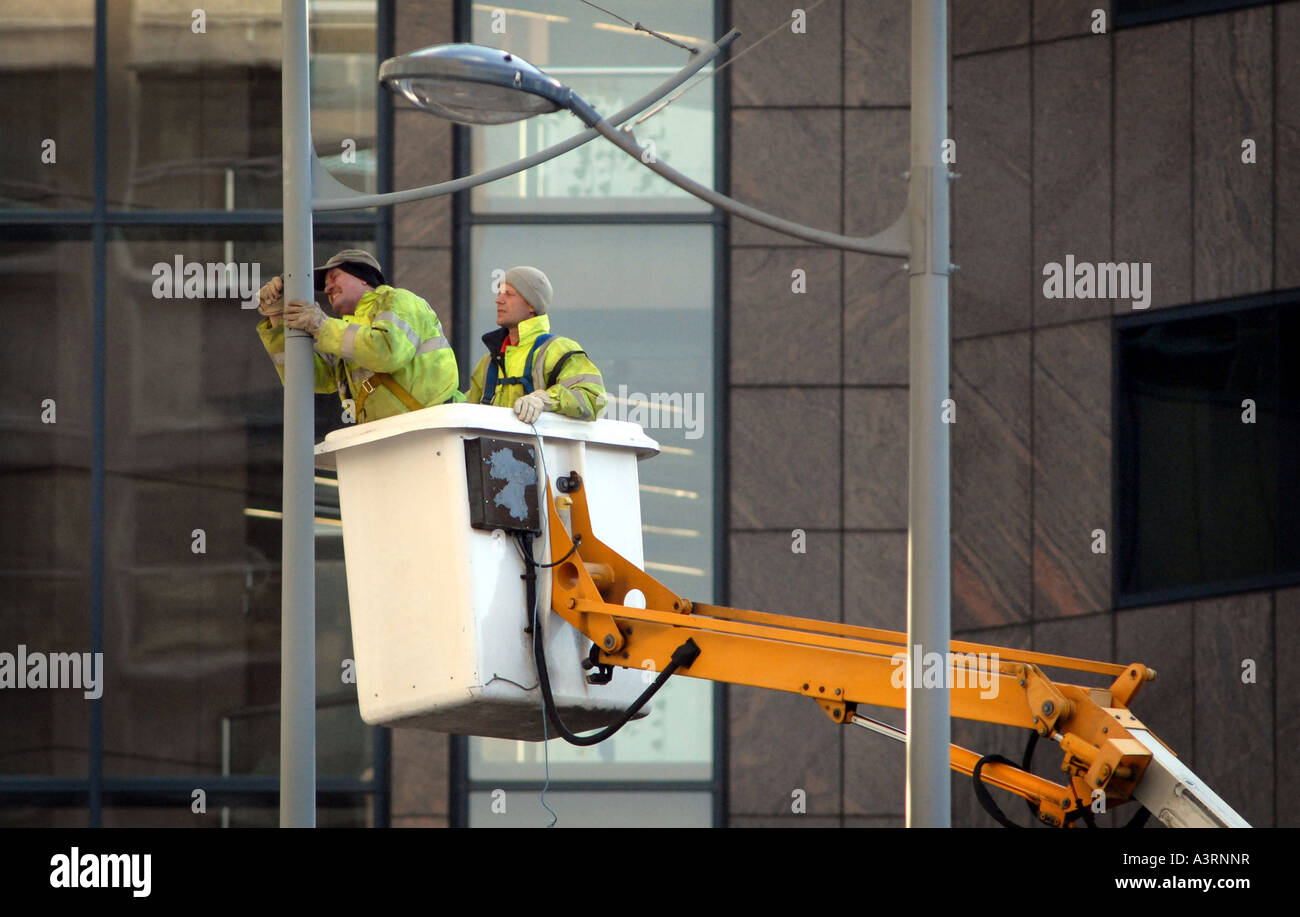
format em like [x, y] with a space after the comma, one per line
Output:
[328, 193]
[892, 241]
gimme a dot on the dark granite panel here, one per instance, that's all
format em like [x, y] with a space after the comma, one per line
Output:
[876, 821]
[421, 156]
[420, 23]
[991, 203]
[1062, 18]
[1153, 162]
[786, 163]
[1233, 73]
[767, 575]
[784, 458]
[991, 481]
[982, 25]
[763, 780]
[1161, 637]
[875, 579]
[876, 156]
[875, 769]
[877, 53]
[875, 321]
[988, 738]
[1088, 637]
[420, 821]
[1072, 167]
[1286, 626]
[875, 458]
[420, 773]
[791, 68]
[764, 297]
[427, 273]
[1286, 187]
[1234, 718]
[422, 152]
[1072, 475]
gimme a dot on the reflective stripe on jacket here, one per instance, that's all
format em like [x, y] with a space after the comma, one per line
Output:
[578, 391]
[392, 331]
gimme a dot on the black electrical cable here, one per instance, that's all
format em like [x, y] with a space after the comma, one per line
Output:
[1139, 818]
[682, 657]
[1084, 811]
[577, 540]
[1026, 765]
[986, 798]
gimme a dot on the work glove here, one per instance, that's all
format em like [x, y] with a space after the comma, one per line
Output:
[270, 300]
[530, 407]
[306, 316]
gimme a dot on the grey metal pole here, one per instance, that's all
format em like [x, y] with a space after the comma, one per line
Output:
[929, 796]
[298, 595]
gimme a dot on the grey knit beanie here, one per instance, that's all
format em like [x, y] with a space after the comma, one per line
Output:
[532, 285]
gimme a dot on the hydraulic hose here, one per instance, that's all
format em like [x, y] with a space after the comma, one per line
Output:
[682, 657]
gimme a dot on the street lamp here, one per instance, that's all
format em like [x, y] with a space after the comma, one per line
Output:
[473, 84]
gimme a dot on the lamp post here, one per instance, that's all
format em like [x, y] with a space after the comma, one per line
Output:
[298, 566]
[478, 85]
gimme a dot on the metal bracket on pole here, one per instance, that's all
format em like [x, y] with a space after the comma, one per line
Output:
[930, 240]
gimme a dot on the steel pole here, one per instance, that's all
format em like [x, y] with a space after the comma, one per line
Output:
[929, 796]
[298, 595]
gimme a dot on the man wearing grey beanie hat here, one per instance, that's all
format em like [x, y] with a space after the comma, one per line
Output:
[528, 368]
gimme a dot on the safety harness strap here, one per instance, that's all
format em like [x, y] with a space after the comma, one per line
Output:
[388, 382]
[526, 380]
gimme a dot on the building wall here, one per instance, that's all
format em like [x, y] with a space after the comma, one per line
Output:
[1123, 146]
[422, 243]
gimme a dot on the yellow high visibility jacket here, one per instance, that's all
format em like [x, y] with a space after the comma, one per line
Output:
[392, 331]
[577, 389]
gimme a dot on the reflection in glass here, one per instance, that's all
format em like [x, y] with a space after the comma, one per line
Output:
[650, 331]
[521, 808]
[47, 56]
[194, 116]
[610, 65]
[45, 458]
[192, 598]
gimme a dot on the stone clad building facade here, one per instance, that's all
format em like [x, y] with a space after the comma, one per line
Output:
[1110, 500]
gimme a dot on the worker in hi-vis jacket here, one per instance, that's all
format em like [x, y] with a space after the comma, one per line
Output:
[528, 368]
[385, 351]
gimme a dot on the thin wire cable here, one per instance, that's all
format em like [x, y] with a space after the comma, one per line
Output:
[641, 28]
[608, 12]
[537, 600]
[716, 70]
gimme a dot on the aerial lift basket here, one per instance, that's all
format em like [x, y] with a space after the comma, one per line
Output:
[431, 502]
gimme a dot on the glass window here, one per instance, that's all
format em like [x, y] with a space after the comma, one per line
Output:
[610, 65]
[34, 816]
[47, 56]
[1144, 12]
[660, 377]
[45, 460]
[183, 816]
[192, 604]
[1209, 450]
[519, 808]
[194, 102]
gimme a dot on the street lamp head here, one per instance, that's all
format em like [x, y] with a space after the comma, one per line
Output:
[473, 84]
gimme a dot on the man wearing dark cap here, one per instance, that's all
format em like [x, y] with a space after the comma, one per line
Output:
[385, 352]
[528, 368]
